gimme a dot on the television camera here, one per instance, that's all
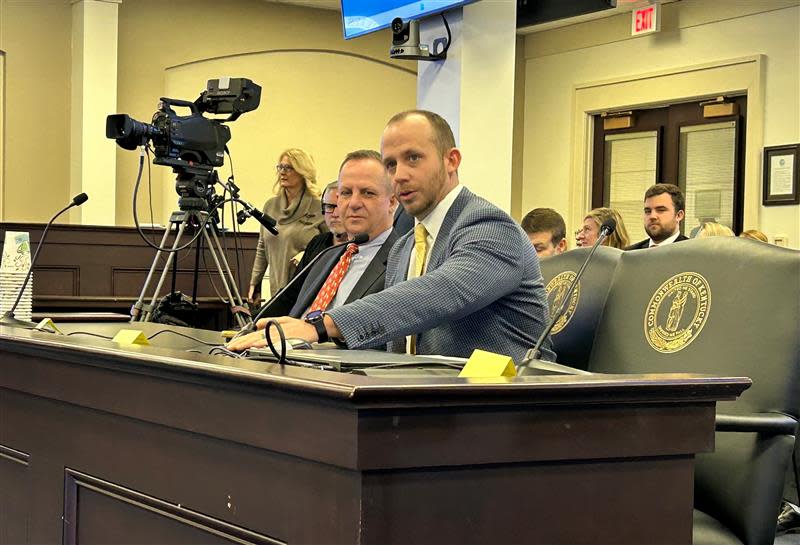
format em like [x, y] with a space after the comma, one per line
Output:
[193, 146]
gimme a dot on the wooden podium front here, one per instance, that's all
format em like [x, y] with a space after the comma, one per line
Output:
[101, 444]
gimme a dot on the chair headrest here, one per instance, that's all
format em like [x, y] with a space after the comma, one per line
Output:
[721, 305]
[574, 332]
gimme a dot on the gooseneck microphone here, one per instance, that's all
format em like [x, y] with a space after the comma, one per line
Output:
[267, 221]
[360, 238]
[8, 317]
[531, 365]
[264, 219]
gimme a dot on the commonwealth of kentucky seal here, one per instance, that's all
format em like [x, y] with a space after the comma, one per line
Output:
[556, 291]
[677, 312]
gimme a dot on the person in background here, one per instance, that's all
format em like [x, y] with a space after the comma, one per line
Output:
[713, 229]
[754, 234]
[336, 234]
[298, 211]
[664, 209]
[588, 234]
[546, 230]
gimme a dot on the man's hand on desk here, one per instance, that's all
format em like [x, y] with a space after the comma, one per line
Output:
[293, 328]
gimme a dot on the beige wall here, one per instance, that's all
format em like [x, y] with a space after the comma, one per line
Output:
[561, 63]
[319, 91]
[35, 37]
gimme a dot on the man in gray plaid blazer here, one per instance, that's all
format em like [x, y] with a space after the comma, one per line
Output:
[467, 277]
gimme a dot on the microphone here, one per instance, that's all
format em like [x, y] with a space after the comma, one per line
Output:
[531, 365]
[264, 219]
[360, 238]
[267, 221]
[8, 317]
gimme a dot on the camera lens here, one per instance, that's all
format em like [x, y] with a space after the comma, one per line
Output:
[397, 25]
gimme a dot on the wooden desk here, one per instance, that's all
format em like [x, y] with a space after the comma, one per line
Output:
[100, 444]
[96, 268]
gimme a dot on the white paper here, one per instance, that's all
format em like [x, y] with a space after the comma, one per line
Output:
[781, 174]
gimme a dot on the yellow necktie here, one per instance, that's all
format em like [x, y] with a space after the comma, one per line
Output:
[421, 247]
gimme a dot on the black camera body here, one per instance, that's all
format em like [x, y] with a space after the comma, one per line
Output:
[401, 31]
[189, 142]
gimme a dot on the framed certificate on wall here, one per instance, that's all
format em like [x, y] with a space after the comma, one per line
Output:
[781, 165]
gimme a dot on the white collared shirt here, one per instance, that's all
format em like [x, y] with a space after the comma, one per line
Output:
[670, 240]
[358, 264]
[433, 224]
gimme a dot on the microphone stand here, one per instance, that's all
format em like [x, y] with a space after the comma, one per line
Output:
[360, 238]
[8, 318]
[531, 361]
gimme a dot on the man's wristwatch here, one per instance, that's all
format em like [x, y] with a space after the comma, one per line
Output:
[317, 319]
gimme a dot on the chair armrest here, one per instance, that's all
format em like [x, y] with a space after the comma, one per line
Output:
[765, 423]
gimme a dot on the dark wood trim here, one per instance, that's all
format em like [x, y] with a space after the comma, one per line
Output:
[13, 455]
[75, 480]
[96, 268]
[668, 121]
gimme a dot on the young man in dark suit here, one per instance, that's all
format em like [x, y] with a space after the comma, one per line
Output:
[664, 209]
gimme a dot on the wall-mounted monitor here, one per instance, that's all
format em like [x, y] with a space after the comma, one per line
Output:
[364, 16]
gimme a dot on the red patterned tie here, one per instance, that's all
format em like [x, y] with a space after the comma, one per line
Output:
[331, 285]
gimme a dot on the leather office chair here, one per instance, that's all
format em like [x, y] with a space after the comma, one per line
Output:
[574, 334]
[724, 306]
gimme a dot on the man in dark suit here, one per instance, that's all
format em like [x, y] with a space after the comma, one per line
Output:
[365, 204]
[664, 209]
[546, 230]
[466, 277]
[283, 303]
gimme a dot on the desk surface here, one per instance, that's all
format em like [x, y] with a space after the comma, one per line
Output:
[167, 446]
[172, 351]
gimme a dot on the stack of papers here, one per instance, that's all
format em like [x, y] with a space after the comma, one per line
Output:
[13, 269]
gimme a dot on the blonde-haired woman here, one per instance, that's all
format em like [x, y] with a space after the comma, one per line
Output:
[713, 229]
[590, 231]
[297, 208]
[754, 234]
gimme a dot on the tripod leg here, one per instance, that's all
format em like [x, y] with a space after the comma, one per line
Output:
[228, 281]
[149, 309]
[136, 309]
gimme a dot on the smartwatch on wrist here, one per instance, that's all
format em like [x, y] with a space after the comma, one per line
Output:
[317, 319]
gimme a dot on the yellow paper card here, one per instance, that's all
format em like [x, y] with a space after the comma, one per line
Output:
[131, 336]
[482, 364]
[228, 334]
[48, 324]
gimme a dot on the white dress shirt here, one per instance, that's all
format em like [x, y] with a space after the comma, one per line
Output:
[670, 240]
[358, 264]
[433, 224]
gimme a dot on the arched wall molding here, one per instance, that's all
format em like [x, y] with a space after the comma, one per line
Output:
[298, 50]
[326, 101]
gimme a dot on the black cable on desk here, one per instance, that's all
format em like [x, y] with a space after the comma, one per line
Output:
[89, 334]
[179, 334]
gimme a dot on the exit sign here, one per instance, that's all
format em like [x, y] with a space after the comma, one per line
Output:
[645, 20]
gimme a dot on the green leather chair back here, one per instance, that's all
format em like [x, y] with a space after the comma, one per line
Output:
[574, 333]
[723, 306]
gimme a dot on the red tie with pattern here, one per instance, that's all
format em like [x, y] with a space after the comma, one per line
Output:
[331, 285]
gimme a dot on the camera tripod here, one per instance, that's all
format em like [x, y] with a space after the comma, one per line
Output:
[180, 220]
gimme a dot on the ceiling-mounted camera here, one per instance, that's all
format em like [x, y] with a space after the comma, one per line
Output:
[405, 42]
